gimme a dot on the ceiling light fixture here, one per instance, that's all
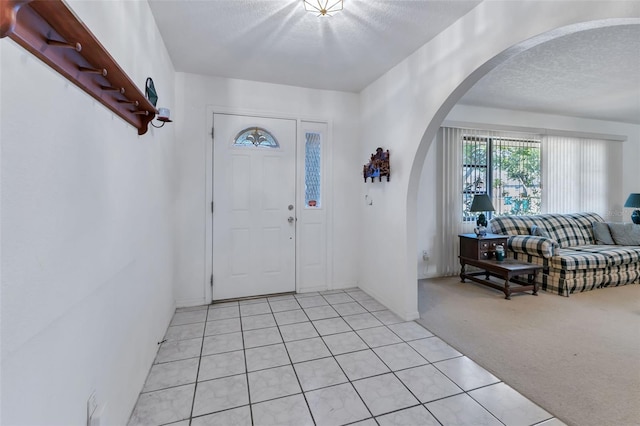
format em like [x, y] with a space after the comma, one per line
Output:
[323, 7]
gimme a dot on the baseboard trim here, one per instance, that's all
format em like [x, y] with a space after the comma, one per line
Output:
[187, 303]
[311, 289]
[411, 316]
[406, 316]
[343, 286]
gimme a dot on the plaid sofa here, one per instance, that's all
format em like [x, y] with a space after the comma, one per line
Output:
[567, 251]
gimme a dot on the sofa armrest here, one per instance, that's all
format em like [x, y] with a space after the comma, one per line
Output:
[534, 246]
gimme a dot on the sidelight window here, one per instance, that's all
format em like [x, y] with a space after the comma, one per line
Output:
[312, 167]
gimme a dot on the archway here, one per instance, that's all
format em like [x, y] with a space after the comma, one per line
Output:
[422, 89]
[469, 82]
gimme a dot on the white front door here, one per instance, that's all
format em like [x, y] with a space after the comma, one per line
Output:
[254, 188]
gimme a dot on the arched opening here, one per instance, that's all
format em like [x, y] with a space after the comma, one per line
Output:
[550, 373]
[452, 100]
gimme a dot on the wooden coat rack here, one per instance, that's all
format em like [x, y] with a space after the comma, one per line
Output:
[52, 32]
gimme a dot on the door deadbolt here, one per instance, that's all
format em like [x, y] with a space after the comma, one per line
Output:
[290, 207]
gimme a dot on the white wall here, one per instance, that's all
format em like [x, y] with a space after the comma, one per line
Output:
[429, 222]
[404, 108]
[87, 230]
[198, 94]
[429, 214]
[89, 209]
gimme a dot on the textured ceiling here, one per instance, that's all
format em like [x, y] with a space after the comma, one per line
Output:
[592, 74]
[277, 41]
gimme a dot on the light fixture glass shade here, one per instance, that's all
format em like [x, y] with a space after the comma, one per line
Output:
[150, 91]
[481, 203]
[323, 7]
[634, 201]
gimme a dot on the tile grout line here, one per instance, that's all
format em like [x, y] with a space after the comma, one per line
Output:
[195, 387]
[361, 379]
[305, 361]
[479, 387]
[462, 391]
[352, 329]
[391, 371]
[332, 355]
[483, 407]
[295, 372]
[246, 366]
[342, 369]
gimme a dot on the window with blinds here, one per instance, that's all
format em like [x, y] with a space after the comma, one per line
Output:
[506, 168]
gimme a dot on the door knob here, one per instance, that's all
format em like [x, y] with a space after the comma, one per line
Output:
[290, 220]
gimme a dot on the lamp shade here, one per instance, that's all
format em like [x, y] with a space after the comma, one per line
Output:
[481, 203]
[633, 201]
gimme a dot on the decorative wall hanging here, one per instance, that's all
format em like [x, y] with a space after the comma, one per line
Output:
[378, 166]
[150, 91]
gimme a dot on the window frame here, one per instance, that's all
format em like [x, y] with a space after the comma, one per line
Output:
[490, 160]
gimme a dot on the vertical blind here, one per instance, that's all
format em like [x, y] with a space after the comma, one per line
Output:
[577, 175]
[451, 204]
[464, 177]
[581, 175]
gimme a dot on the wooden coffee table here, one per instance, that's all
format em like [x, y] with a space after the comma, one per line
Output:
[507, 269]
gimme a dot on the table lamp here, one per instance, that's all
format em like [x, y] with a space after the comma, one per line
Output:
[481, 203]
[634, 201]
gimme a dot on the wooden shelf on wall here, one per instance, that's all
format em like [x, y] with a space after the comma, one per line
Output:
[52, 32]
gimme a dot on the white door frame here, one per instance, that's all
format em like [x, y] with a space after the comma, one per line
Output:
[208, 195]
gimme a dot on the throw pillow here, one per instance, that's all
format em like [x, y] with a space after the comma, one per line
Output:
[539, 231]
[625, 234]
[601, 233]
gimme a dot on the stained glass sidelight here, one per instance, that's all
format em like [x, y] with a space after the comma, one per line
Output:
[312, 167]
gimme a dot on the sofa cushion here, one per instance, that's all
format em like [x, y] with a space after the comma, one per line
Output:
[602, 234]
[625, 234]
[585, 222]
[566, 230]
[616, 255]
[570, 260]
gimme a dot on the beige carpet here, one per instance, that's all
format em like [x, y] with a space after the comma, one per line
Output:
[576, 357]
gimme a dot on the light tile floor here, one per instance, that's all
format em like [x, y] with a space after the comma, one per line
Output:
[332, 358]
